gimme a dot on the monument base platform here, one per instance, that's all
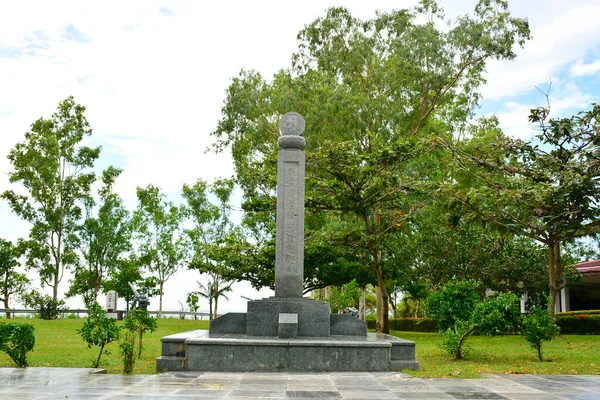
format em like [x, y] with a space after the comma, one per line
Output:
[197, 351]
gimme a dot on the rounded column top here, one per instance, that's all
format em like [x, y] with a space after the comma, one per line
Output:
[291, 127]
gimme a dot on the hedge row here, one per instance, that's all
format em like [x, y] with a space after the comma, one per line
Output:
[579, 312]
[570, 323]
[408, 324]
[578, 324]
[16, 340]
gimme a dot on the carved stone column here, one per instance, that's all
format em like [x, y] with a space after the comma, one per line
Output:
[289, 256]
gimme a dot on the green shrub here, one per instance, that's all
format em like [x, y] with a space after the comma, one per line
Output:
[17, 340]
[538, 327]
[344, 297]
[578, 324]
[454, 301]
[460, 312]
[46, 306]
[127, 349]
[139, 321]
[454, 339]
[97, 330]
[413, 324]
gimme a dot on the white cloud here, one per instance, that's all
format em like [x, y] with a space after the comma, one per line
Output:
[562, 33]
[567, 100]
[582, 69]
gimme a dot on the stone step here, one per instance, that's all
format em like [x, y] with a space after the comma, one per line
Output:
[173, 349]
[170, 363]
[174, 345]
[398, 365]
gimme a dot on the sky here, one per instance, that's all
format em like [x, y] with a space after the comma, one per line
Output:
[153, 76]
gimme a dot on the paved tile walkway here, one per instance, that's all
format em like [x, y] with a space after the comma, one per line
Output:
[66, 383]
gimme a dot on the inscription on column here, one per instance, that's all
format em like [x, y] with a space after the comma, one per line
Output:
[290, 220]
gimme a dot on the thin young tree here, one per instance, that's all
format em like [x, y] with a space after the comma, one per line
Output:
[102, 240]
[158, 229]
[11, 281]
[55, 171]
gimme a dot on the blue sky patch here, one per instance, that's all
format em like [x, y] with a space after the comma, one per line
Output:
[165, 11]
[75, 35]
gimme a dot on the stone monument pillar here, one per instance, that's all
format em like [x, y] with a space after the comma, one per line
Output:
[289, 256]
[112, 299]
[288, 314]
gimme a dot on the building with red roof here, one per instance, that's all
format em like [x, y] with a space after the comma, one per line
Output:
[583, 295]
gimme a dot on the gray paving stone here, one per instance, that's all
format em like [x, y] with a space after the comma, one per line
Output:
[531, 396]
[304, 394]
[424, 395]
[413, 389]
[581, 396]
[476, 395]
[263, 394]
[203, 394]
[366, 394]
[45, 383]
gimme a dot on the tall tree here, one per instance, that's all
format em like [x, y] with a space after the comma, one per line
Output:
[102, 240]
[162, 245]
[446, 243]
[372, 93]
[11, 281]
[546, 189]
[212, 229]
[55, 171]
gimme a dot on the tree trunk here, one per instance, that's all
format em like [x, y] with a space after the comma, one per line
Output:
[378, 310]
[362, 303]
[385, 298]
[210, 313]
[160, 298]
[394, 305]
[556, 276]
[55, 286]
[140, 344]
[458, 355]
[97, 364]
[57, 264]
[216, 304]
[96, 290]
[6, 305]
[328, 293]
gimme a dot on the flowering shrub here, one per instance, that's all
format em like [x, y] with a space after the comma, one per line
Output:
[578, 312]
[578, 324]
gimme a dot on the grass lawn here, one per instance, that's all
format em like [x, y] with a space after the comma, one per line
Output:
[568, 354]
[59, 345]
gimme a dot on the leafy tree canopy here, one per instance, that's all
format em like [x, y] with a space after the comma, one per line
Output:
[54, 170]
[546, 189]
[372, 92]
